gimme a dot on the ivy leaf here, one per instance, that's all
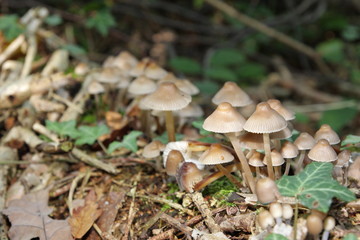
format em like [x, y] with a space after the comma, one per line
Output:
[314, 187]
[102, 20]
[88, 134]
[185, 65]
[199, 125]
[164, 137]
[128, 142]
[227, 56]
[221, 73]
[275, 236]
[350, 236]
[67, 128]
[350, 139]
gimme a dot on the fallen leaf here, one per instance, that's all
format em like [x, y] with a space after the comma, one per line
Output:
[29, 219]
[84, 217]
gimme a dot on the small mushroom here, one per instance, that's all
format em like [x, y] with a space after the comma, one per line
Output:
[232, 94]
[266, 220]
[326, 132]
[314, 224]
[322, 152]
[266, 190]
[173, 161]
[187, 176]
[276, 211]
[288, 212]
[329, 225]
[288, 151]
[303, 142]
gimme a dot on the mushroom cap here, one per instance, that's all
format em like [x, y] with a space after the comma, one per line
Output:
[153, 149]
[141, 86]
[232, 94]
[256, 160]
[283, 111]
[190, 111]
[250, 140]
[166, 98]
[282, 134]
[276, 209]
[95, 88]
[266, 219]
[276, 158]
[329, 223]
[354, 170]
[224, 119]
[174, 158]
[110, 75]
[287, 211]
[265, 120]
[216, 154]
[304, 141]
[314, 224]
[139, 68]
[289, 150]
[186, 86]
[322, 152]
[187, 176]
[326, 132]
[343, 158]
[266, 190]
[154, 71]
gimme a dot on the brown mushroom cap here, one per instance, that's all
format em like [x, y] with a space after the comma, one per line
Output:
[314, 224]
[265, 120]
[283, 111]
[190, 111]
[250, 140]
[276, 158]
[95, 88]
[141, 86]
[265, 219]
[343, 158]
[256, 160]
[224, 119]
[354, 170]
[232, 94]
[266, 190]
[322, 152]
[186, 86]
[282, 134]
[187, 176]
[289, 150]
[216, 154]
[153, 149]
[154, 71]
[166, 98]
[326, 132]
[174, 158]
[276, 210]
[139, 68]
[304, 141]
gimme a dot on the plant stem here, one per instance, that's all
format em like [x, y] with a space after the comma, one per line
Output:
[296, 214]
[268, 160]
[170, 125]
[245, 166]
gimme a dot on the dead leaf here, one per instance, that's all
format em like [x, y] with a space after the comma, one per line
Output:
[29, 219]
[84, 217]
[115, 120]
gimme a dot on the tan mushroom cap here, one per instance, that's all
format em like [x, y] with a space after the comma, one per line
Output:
[186, 86]
[289, 150]
[314, 224]
[232, 94]
[110, 75]
[265, 120]
[190, 111]
[250, 140]
[326, 132]
[153, 149]
[265, 219]
[95, 88]
[139, 68]
[174, 158]
[266, 190]
[282, 134]
[276, 158]
[154, 71]
[283, 111]
[304, 141]
[322, 152]
[188, 175]
[343, 158]
[224, 119]
[256, 160]
[141, 86]
[216, 154]
[166, 98]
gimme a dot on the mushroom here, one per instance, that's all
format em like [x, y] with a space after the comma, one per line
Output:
[276, 211]
[314, 224]
[187, 176]
[277, 161]
[288, 212]
[152, 150]
[329, 225]
[288, 151]
[326, 132]
[167, 98]
[341, 165]
[256, 160]
[303, 142]
[174, 158]
[232, 94]
[283, 111]
[266, 220]
[217, 155]
[225, 119]
[186, 86]
[322, 152]
[266, 190]
[265, 120]
[354, 171]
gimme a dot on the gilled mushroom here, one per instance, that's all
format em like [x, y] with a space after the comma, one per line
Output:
[283, 111]
[277, 161]
[288, 151]
[256, 160]
[322, 152]
[326, 132]
[232, 94]
[303, 142]
[187, 176]
[341, 165]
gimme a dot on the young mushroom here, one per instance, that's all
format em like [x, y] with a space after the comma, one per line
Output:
[174, 158]
[288, 151]
[326, 132]
[225, 119]
[322, 152]
[277, 161]
[167, 98]
[232, 94]
[303, 142]
[187, 176]
[267, 190]
[276, 211]
[266, 220]
[288, 212]
[314, 225]
[329, 225]
[265, 120]
[256, 160]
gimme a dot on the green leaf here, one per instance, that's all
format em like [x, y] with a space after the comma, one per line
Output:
[207, 87]
[275, 236]
[332, 50]
[185, 65]
[351, 139]
[302, 118]
[208, 139]
[88, 134]
[338, 118]
[128, 142]
[10, 27]
[53, 20]
[67, 128]
[102, 20]
[350, 236]
[314, 187]
[227, 56]
[199, 125]
[351, 33]
[164, 137]
[252, 71]
[74, 50]
[221, 73]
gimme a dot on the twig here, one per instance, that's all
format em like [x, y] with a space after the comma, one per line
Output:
[12, 48]
[43, 130]
[205, 211]
[149, 224]
[281, 37]
[176, 224]
[72, 190]
[30, 55]
[198, 218]
[98, 230]
[165, 235]
[67, 103]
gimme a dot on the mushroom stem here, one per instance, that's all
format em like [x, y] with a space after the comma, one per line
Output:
[287, 167]
[229, 176]
[325, 235]
[277, 172]
[250, 153]
[257, 172]
[268, 160]
[170, 125]
[245, 166]
[300, 161]
[211, 178]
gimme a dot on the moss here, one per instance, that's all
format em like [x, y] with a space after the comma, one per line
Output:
[220, 190]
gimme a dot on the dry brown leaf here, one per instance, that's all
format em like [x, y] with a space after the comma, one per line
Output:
[84, 217]
[29, 219]
[115, 120]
